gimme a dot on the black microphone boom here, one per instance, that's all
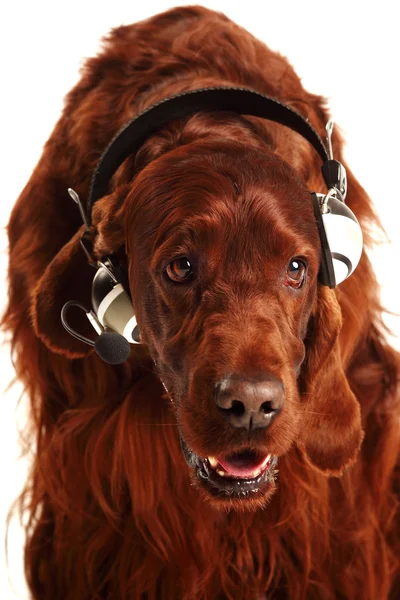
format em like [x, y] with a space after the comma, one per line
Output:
[110, 346]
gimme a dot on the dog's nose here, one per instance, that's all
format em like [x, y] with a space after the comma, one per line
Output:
[250, 402]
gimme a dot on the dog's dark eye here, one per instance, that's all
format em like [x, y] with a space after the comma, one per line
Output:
[179, 269]
[295, 273]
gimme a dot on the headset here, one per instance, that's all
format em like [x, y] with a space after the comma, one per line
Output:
[113, 317]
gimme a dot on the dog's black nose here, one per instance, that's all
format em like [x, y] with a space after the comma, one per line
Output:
[250, 402]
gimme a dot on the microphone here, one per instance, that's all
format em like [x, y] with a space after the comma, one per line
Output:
[110, 346]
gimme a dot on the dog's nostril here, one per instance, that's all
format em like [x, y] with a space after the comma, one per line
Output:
[249, 402]
[266, 408]
[237, 408]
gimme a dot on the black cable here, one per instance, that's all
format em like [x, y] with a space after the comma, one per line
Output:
[76, 335]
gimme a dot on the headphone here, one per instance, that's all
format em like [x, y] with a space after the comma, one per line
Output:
[113, 317]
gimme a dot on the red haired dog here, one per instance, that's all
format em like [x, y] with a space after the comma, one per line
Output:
[247, 446]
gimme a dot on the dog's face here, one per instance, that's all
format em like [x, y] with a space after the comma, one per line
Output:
[224, 263]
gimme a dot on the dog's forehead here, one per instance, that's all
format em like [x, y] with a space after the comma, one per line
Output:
[231, 199]
[263, 216]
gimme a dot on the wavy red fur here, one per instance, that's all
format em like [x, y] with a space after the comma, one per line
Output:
[112, 512]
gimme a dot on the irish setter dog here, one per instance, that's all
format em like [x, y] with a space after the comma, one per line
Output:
[149, 481]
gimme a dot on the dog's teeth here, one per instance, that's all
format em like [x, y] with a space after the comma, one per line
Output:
[213, 461]
[221, 473]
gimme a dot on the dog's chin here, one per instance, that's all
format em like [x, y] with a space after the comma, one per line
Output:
[243, 481]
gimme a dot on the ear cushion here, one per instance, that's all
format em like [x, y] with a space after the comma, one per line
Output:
[67, 277]
[326, 272]
[344, 236]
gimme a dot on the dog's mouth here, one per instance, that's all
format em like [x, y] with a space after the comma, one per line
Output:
[240, 474]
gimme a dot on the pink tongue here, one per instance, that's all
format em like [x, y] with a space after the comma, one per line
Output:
[242, 466]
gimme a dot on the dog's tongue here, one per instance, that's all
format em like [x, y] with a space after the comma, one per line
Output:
[245, 464]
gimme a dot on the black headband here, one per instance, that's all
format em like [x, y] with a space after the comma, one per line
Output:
[240, 100]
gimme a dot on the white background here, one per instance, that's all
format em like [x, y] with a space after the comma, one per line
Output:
[348, 51]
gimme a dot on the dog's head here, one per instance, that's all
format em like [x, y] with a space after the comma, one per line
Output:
[223, 257]
[224, 262]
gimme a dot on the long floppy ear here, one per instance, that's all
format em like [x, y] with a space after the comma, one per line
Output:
[331, 432]
[67, 277]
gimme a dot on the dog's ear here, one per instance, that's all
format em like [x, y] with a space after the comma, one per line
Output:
[67, 277]
[331, 431]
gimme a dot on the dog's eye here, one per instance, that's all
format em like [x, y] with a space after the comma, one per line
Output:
[295, 273]
[179, 270]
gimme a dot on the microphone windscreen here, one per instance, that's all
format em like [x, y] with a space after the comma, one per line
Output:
[112, 347]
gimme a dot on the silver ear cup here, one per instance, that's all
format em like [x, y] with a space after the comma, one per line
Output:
[113, 306]
[115, 312]
[344, 237]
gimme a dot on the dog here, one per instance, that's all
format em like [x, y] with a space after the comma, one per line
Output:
[247, 445]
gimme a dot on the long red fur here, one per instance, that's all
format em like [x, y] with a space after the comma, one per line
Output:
[110, 505]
